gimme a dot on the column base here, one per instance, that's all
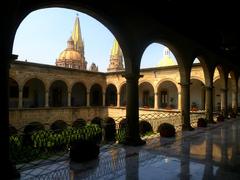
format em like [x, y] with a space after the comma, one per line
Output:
[187, 128]
[134, 142]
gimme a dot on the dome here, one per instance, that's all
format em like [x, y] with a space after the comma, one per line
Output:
[69, 54]
[167, 60]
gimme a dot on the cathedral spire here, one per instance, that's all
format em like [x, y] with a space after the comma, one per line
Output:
[116, 51]
[116, 58]
[77, 36]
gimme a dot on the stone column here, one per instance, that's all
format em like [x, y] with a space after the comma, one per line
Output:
[20, 97]
[118, 99]
[235, 100]
[88, 99]
[104, 99]
[203, 100]
[209, 104]
[69, 98]
[132, 114]
[155, 100]
[224, 102]
[185, 106]
[46, 99]
[179, 101]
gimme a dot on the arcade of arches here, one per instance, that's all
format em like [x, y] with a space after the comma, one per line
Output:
[40, 89]
[134, 31]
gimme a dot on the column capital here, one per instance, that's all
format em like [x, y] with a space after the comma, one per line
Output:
[184, 84]
[132, 76]
[208, 87]
[223, 89]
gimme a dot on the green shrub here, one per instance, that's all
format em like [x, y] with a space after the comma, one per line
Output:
[166, 130]
[97, 121]
[110, 129]
[29, 130]
[58, 125]
[79, 123]
[145, 128]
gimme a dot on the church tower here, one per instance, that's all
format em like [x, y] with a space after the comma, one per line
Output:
[73, 55]
[116, 58]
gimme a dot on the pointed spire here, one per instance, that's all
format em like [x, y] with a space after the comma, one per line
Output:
[116, 58]
[77, 36]
[116, 51]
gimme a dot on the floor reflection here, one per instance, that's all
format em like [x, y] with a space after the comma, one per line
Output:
[204, 154]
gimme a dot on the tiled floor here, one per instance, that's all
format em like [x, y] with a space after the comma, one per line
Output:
[205, 153]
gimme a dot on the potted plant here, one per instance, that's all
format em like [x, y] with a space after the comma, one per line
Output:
[166, 130]
[201, 122]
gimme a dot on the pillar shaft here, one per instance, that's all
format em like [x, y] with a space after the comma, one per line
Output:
[224, 102]
[20, 98]
[104, 99]
[88, 99]
[132, 114]
[155, 100]
[179, 101]
[209, 104]
[46, 99]
[185, 106]
[118, 99]
[69, 98]
[235, 100]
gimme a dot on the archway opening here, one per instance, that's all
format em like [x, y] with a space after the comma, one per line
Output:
[79, 95]
[197, 95]
[58, 94]
[33, 94]
[111, 95]
[218, 85]
[13, 91]
[96, 96]
[146, 95]
[167, 95]
[123, 93]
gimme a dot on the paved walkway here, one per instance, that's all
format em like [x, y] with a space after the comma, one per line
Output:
[205, 153]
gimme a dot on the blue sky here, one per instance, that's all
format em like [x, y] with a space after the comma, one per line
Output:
[43, 35]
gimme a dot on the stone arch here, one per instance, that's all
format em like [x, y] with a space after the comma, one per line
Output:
[96, 96]
[123, 94]
[177, 50]
[198, 78]
[206, 68]
[168, 79]
[167, 94]
[220, 85]
[13, 92]
[33, 93]
[111, 95]
[35, 76]
[78, 94]
[146, 94]
[58, 95]
[219, 73]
